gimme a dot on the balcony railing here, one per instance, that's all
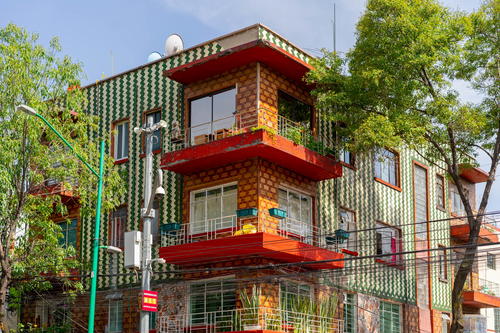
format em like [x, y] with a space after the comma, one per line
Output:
[231, 225]
[249, 319]
[244, 122]
[489, 287]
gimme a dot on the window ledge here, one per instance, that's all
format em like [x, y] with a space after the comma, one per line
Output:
[397, 188]
[441, 209]
[349, 166]
[121, 161]
[390, 264]
[443, 280]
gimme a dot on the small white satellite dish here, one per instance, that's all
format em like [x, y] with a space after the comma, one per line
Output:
[173, 44]
[154, 56]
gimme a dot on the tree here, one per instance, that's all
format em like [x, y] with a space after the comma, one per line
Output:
[396, 88]
[31, 154]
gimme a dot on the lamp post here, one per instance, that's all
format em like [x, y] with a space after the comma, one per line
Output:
[95, 247]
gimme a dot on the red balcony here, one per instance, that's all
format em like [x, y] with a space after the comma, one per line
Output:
[260, 143]
[488, 233]
[292, 242]
[478, 299]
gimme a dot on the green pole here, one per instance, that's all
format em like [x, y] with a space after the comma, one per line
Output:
[95, 254]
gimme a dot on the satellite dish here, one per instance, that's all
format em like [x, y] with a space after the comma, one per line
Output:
[173, 44]
[154, 56]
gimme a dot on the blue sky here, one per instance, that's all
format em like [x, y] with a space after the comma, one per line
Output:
[111, 36]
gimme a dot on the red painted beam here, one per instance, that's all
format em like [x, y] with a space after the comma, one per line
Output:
[462, 231]
[480, 300]
[259, 244]
[271, 147]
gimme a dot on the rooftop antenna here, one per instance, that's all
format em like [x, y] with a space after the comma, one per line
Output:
[334, 30]
[112, 62]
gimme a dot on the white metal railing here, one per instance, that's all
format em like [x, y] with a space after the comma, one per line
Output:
[489, 287]
[242, 122]
[249, 319]
[232, 225]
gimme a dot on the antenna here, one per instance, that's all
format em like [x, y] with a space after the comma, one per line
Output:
[334, 30]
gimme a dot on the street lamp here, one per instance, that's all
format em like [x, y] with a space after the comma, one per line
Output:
[95, 254]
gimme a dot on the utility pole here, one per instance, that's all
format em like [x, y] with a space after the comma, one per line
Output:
[147, 214]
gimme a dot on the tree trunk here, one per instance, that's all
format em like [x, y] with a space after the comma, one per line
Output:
[4, 288]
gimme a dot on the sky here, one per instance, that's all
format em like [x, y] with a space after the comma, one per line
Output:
[111, 36]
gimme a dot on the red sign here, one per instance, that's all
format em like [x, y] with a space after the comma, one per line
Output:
[149, 301]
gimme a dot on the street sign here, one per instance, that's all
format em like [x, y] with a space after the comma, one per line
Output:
[149, 301]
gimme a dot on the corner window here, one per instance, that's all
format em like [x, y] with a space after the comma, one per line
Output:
[120, 140]
[117, 226]
[440, 197]
[388, 241]
[212, 116]
[348, 222]
[68, 229]
[387, 166]
[299, 212]
[491, 261]
[443, 264]
[295, 110]
[291, 294]
[390, 317]
[208, 297]
[152, 118]
[213, 208]
[115, 317]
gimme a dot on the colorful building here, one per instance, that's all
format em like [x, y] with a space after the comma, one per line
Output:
[257, 199]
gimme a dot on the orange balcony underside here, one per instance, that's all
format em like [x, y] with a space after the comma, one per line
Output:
[256, 51]
[271, 147]
[259, 244]
[474, 175]
[461, 232]
[480, 300]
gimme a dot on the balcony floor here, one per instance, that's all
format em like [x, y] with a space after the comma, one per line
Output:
[271, 147]
[259, 244]
[480, 300]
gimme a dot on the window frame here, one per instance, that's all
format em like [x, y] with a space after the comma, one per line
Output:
[353, 327]
[192, 194]
[221, 290]
[393, 315]
[287, 95]
[119, 304]
[442, 263]
[440, 177]
[111, 233]
[354, 240]
[394, 260]
[65, 222]
[288, 218]
[491, 261]
[397, 160]
[114, 140]
[145, 115]
[286, 282]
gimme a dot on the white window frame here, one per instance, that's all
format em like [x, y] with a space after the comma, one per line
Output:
[285, 282]
[388, 233]
[118, 156]
[348, 219]
[393, 315]
[221, 222]
[295, 226]
[115, 305]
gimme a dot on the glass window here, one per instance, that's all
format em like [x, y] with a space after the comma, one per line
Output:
[443, 264]
[299, 212]
[348, 221]
[421, 203]
[209, 297]
[347, 157]
[68, 229]
[115, 317]
[387, 166]
[497, 319]
[440, 199]
[491, 261]
[152, 320]
[291, 293]
[457, 206]
[209, 115]
[151, 119]
[213, 208]
[121, 140]
[350, 313]
[388, 241]
[117, 228]
[390, 318]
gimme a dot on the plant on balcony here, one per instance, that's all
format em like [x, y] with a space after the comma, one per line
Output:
[250, 303]
[295, 134]
[306, 312]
